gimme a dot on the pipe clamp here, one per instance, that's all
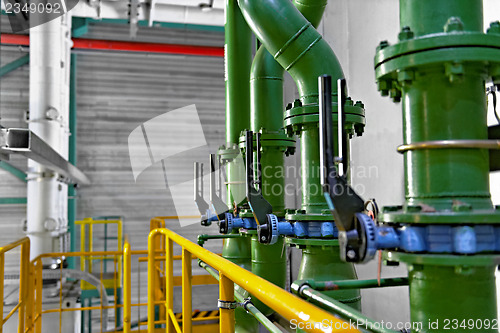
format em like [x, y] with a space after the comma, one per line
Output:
[227, 305]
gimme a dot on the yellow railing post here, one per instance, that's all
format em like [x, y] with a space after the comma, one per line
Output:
[30, 297]
[38, 302]
[2, 263]
[23, 287]
[186, 291]
[169, 283]
[226, 294]
[127, 289]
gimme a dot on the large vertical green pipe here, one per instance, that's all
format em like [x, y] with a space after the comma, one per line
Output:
[453, 298]
[299, 49]
[268, 262]
[445, 100]
[267, 107]
[437, 106]
[266, 114]
[439, 177]
[72, 156]
[426, 16]
[318, 263]
[266, 92]
[237, 61]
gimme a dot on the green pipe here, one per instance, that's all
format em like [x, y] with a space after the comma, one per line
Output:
[443, 293]
[416, 15]
[72, 156]
[269, 262]
[18, 173]
[361, 321]
[322, 263]
[294, 42]
[204, 237]
[11, 66]
[247, 305]
[13, 201]
[238, 60]
[353, 284]
[266, 109]
[445, 100]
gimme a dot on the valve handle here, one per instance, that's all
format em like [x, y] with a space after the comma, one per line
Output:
[346, 205]
[260, 207]
[200, 202]
[218, 205]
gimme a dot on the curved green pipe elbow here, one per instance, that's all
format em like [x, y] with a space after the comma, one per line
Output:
[266, 76]
[293, 42]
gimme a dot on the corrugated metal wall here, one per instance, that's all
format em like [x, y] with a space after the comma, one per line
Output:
[116, 92]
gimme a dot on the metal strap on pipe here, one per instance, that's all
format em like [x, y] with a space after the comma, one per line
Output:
[450, 144]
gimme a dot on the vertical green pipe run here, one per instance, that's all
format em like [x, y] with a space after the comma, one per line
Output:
[322, 264]
[237, 63]
[266, 114]
[439, 177]
[444, 100]
[268, 262]
[453, 298]
[433, 100]
[72, 156]
[294, 43]
[429, 16]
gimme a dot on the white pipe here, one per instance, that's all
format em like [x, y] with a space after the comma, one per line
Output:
[49, 113]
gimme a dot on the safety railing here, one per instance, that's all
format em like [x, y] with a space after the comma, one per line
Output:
[284, 303]
[25, 273]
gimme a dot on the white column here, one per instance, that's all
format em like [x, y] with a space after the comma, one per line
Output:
[50, 47]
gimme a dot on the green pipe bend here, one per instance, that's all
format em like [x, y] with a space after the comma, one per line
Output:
[293, 42]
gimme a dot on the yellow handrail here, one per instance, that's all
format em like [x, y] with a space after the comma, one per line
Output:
[127, 288]
[24, 283]
[283, 302]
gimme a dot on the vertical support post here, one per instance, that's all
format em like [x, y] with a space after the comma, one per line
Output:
[127, 288]
[2, 264]
[38, 303]
[226, 293]
[72, 157]
[169, 282]
[151, 281]
[25, 259]
[30, 297]
[186, 291]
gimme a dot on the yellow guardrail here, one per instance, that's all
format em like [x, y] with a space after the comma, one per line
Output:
[161, 283]
[283, 302]
[24, 284]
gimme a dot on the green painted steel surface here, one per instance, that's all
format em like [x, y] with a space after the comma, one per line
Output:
[430, 16]
[450, 296]
[13, 201]
[238, 250]
[18, 173]
[438, 69]
[268, 262]
[439, 177]
[323, 264]
[13, 65]
[300, 50]
[295, 44]
[238, 61]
